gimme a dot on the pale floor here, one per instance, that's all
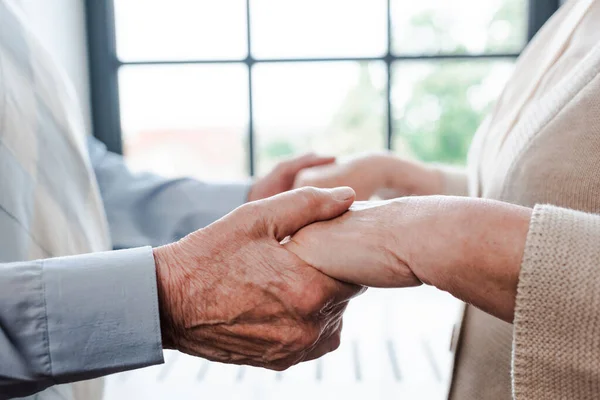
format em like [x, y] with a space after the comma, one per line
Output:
[395, 346]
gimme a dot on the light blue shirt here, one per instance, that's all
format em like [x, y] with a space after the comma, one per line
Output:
[80, 317]
[66, 319]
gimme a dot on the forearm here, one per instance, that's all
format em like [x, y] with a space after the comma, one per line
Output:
[146, 209]
[76, 318]
[482, 261]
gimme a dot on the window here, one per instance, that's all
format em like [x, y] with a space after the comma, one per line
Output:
[224, 89]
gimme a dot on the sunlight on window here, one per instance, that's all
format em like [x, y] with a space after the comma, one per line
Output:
[180, 29]
[458, 26]
[186, 120]
[329, 108]
[317, 28]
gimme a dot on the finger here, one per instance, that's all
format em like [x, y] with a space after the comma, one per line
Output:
[307, 161]
[289, 212]
[343, 292]
[329, 344]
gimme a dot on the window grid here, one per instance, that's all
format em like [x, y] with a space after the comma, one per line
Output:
[104, 67]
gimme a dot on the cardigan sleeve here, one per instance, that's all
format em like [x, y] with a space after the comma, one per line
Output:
[556, 348]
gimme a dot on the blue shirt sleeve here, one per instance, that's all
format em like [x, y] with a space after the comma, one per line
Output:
[76, 318]
[145, 209]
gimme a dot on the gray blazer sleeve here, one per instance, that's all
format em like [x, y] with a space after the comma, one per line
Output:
[145, 209]
[75, 318]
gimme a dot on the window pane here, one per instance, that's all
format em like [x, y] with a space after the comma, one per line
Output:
[318, 28]
[186, 120]
[438, 106]
[458, 26]
[181, 29]
[331, 108]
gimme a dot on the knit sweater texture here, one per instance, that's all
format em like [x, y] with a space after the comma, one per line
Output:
[540, 148]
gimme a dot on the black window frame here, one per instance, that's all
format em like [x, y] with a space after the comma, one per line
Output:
[104, 66]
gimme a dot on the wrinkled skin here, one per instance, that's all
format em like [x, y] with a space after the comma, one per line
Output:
[232, 293]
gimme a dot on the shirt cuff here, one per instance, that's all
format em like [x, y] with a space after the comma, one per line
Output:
[102, 313]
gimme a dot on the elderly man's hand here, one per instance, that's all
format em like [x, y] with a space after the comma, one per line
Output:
[232, 293]
[282, 177]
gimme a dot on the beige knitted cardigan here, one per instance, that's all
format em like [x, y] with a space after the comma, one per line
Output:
[541, 145]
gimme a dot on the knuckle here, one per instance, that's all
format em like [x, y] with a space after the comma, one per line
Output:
[274, 365]
[335, 341]
[293, 337]
[309, 192]
[310, 196]
[281, 367]
[252, 214]
[301, 337]
[313, 302]
[311, 335]
[251, 210]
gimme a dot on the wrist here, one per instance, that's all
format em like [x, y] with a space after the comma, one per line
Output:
[164, 260]
[389, 170]
[410, 177]
[484, 257]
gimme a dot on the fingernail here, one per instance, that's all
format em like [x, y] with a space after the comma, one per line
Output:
[342, 193]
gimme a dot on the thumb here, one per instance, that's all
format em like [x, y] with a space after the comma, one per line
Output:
[291, 211]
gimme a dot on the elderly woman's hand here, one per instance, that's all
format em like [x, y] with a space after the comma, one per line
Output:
[471, 248]
[359, 246]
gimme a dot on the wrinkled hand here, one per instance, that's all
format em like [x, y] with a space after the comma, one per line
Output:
[282, 177]
[380, 174]
[471, 248]
[232, 293]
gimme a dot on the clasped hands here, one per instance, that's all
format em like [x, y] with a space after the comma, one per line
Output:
[267, 285]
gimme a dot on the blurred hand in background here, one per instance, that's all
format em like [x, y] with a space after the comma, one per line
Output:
[381, 174]
[282, 177]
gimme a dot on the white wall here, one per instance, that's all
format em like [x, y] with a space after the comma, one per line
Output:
[60, 25]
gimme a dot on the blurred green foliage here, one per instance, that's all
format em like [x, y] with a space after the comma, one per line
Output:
[446, 89]
[437, 120]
